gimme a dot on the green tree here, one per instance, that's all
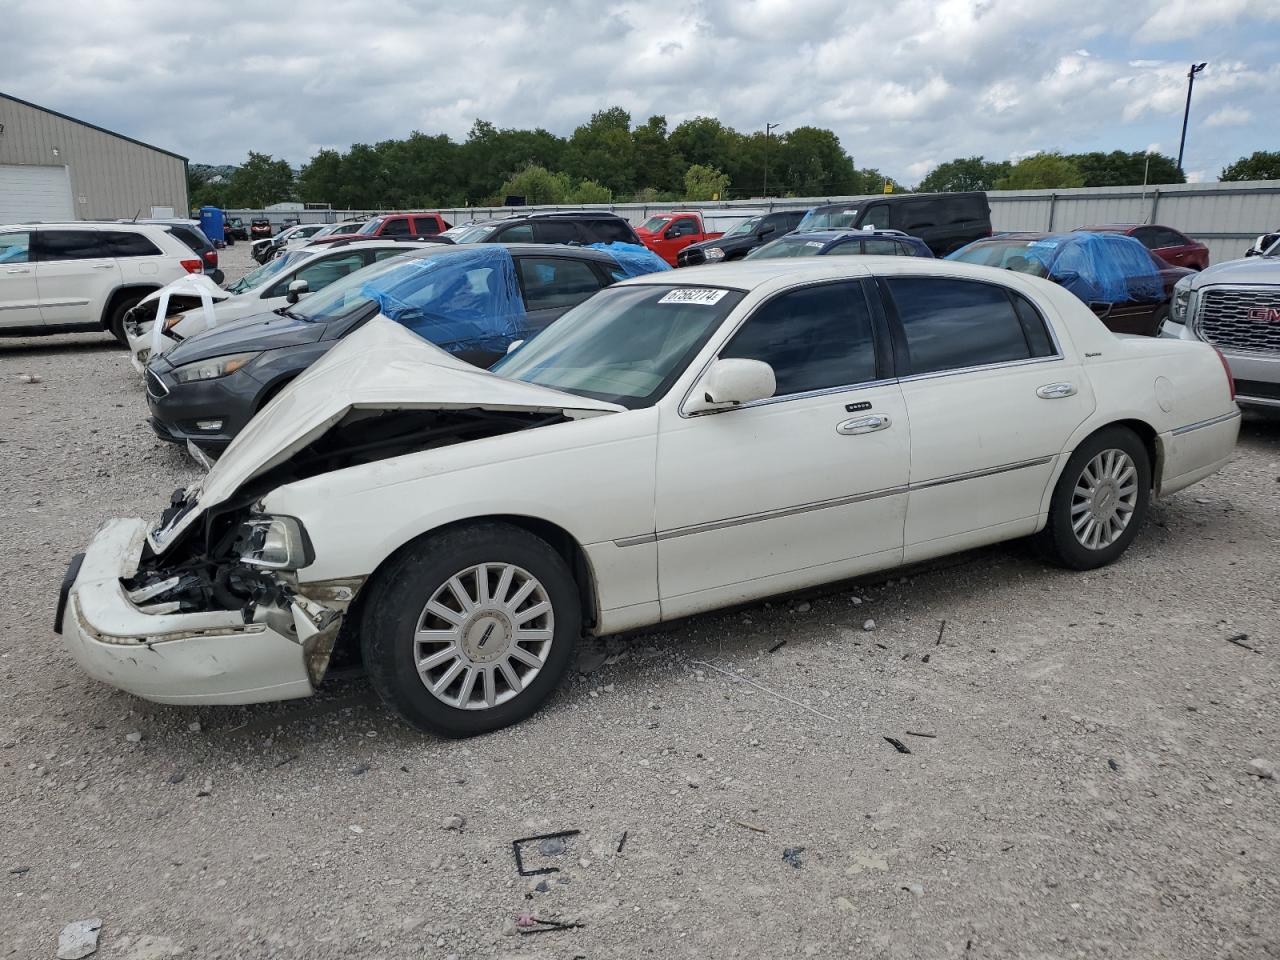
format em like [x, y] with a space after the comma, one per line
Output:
[489, 156]
[964, 173]
[1041, 171]
[321, 178]
[1119, 169]
[260, 181]
[206, 187]
[1259, 165]
[602, 150]
[870, 180]
[704, 183]
[704, 141]
[537, 185]
[813, 163]
[658, 165]
[588, 191]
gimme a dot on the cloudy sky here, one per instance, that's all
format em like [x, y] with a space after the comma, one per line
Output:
[905, 83]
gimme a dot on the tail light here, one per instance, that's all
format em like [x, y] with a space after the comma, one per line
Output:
[211, 257]
[1226, 368]
[193, 266]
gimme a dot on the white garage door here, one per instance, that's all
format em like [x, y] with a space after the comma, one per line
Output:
[34, 193]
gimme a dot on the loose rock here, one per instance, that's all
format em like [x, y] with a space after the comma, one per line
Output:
[1259, 767]
[79, 939]
[869, 625]
[134, 737]
[454, 822]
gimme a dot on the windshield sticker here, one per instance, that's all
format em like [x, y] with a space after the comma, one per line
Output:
[814, 243]
[1043, 244]
[693, 295]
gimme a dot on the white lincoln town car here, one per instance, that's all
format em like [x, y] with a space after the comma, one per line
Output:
[677, 443]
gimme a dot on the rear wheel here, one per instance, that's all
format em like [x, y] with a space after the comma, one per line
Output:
[115, 318]
[470, 630]
[1100, 501]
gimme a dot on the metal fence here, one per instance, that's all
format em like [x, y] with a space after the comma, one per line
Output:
[1225, 216]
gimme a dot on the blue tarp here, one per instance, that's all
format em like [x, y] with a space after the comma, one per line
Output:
[1107, 267]
[463, 300]
[633, 259]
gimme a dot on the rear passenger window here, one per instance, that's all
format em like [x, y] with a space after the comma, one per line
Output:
[814, 338]
[877, 216]
[427, 226]
[611, 231]
[552, 231]
[953, 324]
[850, 248]
[551, 282]
[520, 233]
[72, 245]
[130, 244]
[884, 248]
[395, 228]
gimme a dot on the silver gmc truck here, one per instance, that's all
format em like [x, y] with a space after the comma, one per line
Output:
[1235, 306]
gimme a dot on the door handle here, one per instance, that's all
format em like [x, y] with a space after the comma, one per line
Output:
[860, 425]
[18, 270]
[1056, 391]
[104, 266]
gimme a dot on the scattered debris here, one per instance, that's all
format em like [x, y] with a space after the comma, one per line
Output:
[561, 836]
[455, 822]
[803, 607]
[1263, 769]
[791, 855]
[856, 601]
[552, 847]
[79, 939]
[772, 693]
[941, 627]
[19, 871]
[177, 776]
[897, 745]
[207, 789]
[925, 658]
[359, 769]
[589, 661]
[1115, 767]
[528, 923]
[915, 889]
[749, 826]
[917, 733]
[869, 625]
[287, 758]
[134, 737]
[777, 646]
[882, 646]
[542, 887]
[194, 726]
[30, 378]
[623, 842]
[1239, 640]
[356, 828]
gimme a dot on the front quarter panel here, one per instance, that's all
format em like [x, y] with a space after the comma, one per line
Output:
[593, 478]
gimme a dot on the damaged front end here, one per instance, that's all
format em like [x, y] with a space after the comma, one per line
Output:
[149, 324]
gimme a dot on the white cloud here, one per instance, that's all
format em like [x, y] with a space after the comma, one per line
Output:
[1229, 117]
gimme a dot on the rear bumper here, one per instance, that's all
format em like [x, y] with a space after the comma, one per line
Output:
[184, 658]
[1197, 450]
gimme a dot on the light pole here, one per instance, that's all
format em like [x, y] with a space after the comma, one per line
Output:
[1191, 82]
[768, 128]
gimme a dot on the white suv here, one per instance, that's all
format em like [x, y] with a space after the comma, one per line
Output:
[68, 277]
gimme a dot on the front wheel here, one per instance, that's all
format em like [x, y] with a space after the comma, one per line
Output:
[470, 630]
[115, 321]
[1100, 501]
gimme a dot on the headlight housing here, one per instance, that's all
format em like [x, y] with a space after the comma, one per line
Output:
[213, 368]
[715, 253]
[277, 543]
[1178, 308]
[172, 321]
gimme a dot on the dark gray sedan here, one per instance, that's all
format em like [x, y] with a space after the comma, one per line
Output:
[472, 300]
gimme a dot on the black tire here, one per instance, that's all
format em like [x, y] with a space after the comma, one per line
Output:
[1158, 318]
[396, 601]
[1058, 541]
[115, 320]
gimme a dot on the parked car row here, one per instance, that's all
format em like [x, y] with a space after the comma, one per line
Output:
[643, 445]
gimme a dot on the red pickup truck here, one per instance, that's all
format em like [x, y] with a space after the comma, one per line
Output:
[405, 226]
[666, 234]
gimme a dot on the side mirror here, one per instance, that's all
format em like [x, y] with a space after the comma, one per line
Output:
[298, 289]
[514, 345]
[731, 383]
[765, 231]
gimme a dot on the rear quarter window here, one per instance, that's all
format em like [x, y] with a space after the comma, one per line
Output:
[125, 244]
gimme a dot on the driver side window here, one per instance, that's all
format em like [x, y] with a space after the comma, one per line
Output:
[876, 216]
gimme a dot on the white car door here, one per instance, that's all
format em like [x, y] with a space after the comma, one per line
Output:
[19, 298]
[805, 487]
[992, 398]
[75, 272]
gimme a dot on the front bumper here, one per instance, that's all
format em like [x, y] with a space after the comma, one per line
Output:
[184, 658]
[1256, 375]
[177, 413]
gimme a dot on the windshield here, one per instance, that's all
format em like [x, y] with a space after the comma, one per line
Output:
[787, 247]
[370, 226]
[746, 226]
[1274, 249]
[654, 224]
[343, 297]
[626, 345]
[470, 232]
[828, 219]
[1023, 256]
[269, 269]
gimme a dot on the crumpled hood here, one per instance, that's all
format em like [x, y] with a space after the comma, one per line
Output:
[380, 366]
[1262, 270]
[261, 331]
[189, 286]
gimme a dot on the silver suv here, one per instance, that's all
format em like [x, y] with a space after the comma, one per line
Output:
[1235, 306]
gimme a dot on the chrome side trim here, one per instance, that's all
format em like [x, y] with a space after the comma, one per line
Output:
[710, 525]
[1211, 422]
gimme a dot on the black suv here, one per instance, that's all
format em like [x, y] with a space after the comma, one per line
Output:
[571, 226]
[944, 221]
[737, 243]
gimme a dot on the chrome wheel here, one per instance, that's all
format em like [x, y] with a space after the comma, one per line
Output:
[483, 636]
[1104, 499]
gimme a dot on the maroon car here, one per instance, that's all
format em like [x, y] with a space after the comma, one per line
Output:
[401, 226]
[1165, 242]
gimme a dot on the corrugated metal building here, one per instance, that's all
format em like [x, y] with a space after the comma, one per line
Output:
[55, 167]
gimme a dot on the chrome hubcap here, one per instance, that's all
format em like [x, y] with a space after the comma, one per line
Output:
[483, 636]
[1104, 499]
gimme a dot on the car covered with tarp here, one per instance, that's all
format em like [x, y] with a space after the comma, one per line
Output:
[473, 302]
[1126, 285]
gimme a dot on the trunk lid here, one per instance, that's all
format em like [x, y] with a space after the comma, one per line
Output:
[380, 366]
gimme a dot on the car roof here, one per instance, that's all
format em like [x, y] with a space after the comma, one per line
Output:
[525, 249]
[836, 234]
[96, 225]
[1112, 227]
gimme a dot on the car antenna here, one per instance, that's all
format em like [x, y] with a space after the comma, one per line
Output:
[137, 215]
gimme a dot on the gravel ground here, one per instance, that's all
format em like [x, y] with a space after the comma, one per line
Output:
[1084, 789]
